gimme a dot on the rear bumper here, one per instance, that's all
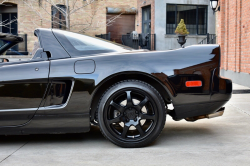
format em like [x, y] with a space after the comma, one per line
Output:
[222, 89]
[221, 92]
[198, 109]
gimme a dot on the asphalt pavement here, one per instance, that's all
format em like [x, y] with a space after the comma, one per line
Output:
[220, 141]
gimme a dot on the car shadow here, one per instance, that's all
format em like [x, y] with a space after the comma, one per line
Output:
[170, 135]
[93, 134]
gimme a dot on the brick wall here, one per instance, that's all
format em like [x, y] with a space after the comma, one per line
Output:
[29, 20]
[233, 31]
[140, 5]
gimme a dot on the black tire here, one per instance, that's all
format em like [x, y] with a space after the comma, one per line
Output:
[127, 123]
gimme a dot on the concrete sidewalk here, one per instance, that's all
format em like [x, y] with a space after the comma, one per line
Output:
[220, 141]
[241, 98]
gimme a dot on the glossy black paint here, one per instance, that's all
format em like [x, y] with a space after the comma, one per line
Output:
[84, 67]
[49, 43]
[74, 85]
[22, 94]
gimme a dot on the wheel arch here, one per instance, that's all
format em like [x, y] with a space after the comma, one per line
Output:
[109, 81]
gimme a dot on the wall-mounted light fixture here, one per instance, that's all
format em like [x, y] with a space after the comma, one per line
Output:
[214, 5]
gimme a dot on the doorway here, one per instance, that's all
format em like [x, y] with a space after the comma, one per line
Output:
[146, 20]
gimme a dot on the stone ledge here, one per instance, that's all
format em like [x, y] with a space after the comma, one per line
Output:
[238, 78]
[189, 36]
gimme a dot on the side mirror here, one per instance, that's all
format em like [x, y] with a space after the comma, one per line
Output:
[4, 60]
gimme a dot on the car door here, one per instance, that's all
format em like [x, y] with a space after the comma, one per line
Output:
[22, 88]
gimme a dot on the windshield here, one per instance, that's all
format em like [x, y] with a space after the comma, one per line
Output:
[2, 43]
[82, 45]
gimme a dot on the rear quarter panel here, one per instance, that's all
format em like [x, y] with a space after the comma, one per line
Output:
[172, 68]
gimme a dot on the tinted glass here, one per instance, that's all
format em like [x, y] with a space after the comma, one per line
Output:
[171, 19]
[2, 43]
[202, 20]
[188, 13]
[145, 15]
[2, 49]
[195, 18]
[9, 28]
[146, 20]
[82, 45]
[58, 17]
[6, 18]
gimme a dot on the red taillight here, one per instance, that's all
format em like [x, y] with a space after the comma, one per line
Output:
[193, 83]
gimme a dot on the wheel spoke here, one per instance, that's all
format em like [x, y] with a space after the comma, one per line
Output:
[117, 106]
[115, 120]
[145, 116]
[139, 128]
[129, 99]
[142, 103]
[125, 130]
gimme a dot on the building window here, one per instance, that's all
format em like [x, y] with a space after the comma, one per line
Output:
[195, 17]
[58, 16]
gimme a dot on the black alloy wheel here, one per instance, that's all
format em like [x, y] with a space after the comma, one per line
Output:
[131, 114]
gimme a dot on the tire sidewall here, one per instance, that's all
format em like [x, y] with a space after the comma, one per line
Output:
[159, 105]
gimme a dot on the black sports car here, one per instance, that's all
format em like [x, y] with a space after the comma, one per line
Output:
[74, 81]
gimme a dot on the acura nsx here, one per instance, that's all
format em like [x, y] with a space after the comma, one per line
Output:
[74, 81]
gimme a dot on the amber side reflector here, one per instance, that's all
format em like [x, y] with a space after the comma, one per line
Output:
[193, 83]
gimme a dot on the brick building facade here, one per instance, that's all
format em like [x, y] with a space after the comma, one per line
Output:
[30, 18]
[233, 23]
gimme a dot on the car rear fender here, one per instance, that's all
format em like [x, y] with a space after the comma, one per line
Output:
[109, 81]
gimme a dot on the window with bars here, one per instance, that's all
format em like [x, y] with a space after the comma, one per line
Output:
[58, 16]
[195, 18]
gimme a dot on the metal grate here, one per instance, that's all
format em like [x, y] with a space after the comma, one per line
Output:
[210, 39]
[104, 36]
[139, 41]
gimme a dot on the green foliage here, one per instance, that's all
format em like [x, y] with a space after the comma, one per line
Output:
[181, 28]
